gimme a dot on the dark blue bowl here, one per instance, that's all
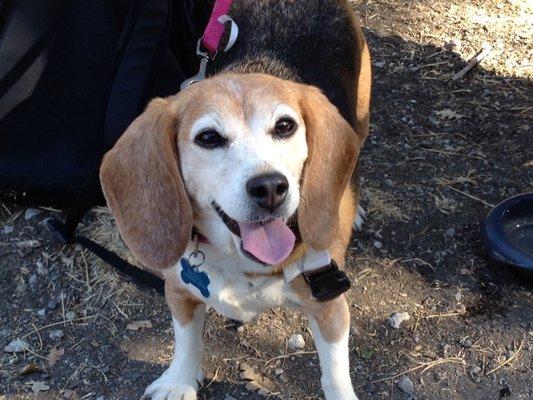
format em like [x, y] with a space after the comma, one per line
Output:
[507, 233]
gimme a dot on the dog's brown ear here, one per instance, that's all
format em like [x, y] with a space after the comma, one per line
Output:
[333, 147]
[144, 189]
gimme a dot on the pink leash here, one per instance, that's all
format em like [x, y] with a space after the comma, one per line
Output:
[215, 28]
[210, 40]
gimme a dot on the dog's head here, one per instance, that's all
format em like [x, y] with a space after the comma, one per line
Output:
[237, 156]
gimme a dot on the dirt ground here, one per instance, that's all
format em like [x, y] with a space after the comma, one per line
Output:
[441, 152]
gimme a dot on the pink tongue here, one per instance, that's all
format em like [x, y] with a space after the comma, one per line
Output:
[270, 242]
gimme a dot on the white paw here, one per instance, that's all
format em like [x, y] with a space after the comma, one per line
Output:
[165, 388]
[339, 394]
[338, 388]
[360, 218]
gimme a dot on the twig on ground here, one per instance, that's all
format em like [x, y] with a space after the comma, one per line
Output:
[37, 330]
[428, 65]
[469, 195]
[296, 353]
[452, 314]
[426, 366]
[508, 360]
[420, 261]
[475, 60]
[215, 376]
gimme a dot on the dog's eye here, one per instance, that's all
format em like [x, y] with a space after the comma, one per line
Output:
[210, 139]
[284, 127]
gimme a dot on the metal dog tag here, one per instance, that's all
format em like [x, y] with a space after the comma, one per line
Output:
[191, 275]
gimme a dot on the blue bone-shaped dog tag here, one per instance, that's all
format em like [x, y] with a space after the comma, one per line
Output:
[198, 279]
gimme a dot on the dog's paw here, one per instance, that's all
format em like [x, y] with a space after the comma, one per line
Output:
[164, 388]
[360, 218]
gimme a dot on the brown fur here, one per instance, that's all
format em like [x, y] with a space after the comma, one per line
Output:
[332, 317]
[181, 303]
[144, 189]
[333, 147]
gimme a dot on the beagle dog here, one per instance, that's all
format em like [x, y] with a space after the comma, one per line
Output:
[239, 188]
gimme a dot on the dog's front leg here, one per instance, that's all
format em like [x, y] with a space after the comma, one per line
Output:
[330, 324]
[180, 380]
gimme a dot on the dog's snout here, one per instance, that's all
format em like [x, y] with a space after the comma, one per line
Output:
[269, 190]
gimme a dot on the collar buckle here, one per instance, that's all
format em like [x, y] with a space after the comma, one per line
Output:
[328, 282]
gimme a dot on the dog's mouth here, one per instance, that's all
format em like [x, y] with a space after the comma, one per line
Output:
[267, 242]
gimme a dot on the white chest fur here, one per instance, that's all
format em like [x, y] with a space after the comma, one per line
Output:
[233, 293]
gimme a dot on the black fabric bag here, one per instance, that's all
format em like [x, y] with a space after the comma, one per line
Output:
[73, 75]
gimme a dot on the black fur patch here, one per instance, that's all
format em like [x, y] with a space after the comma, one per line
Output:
[308, 41]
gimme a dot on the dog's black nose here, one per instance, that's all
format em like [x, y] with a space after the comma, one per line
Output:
[269, 190]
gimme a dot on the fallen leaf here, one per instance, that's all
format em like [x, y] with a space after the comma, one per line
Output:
[17, 346]
[38, 386]
[54, 355]
[136, 325]
[448, 114]
[365, 353]
[67, 261]
[29, 369]
[29, 244]
[256, 383]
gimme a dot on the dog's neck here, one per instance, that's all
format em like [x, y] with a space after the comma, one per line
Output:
[263, 64]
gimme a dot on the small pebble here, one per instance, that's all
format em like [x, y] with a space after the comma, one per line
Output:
[278, 371]
[17, 346]
[33, 280]
[377, 244]
[458, 296]
[406, 385]
[475, 369]
[41, 313]
[296, 342]
[30, 213]
[389, 182]
[447, 350]
[41, 270]
[56, 335]
[474, 372]
[466, 342]
[228, 397]
[450, 232]
[396, 319]
[69, 394]
[52, 304]
[8, 229]
[240, 329]
[70, 315]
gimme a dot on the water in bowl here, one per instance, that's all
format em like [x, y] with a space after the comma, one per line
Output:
[519, 232]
